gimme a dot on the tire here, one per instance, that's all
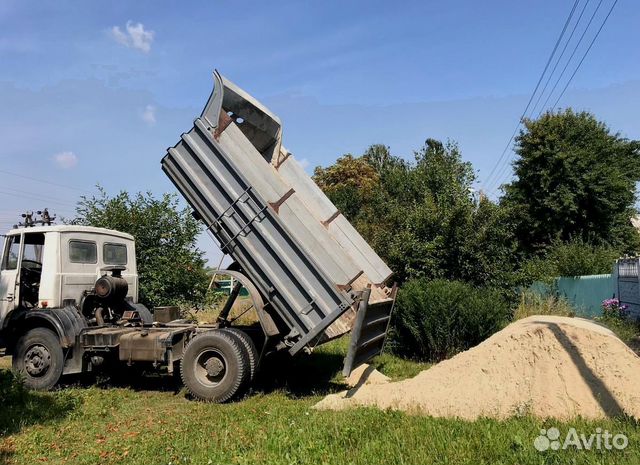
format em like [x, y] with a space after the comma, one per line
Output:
[215, 366]
[38, 357]
[250, 347]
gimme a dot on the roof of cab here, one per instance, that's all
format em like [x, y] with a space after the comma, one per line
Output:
[71, 229]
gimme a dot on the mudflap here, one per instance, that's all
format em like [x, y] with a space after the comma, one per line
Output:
[369, 330]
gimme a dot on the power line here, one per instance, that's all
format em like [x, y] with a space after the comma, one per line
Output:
[38, 198]
[46, 182]
[585, 53]
[43, 197]
[575, 49]
[564, 49]
[555, 47]
[503, 171]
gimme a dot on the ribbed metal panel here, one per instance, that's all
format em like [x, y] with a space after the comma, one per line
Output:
[291, 280]
[292, 211]
[303, 256]
[353, 247]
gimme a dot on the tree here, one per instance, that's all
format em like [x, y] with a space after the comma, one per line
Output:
[351, 182]
[574, 179]
[422, 217]
[170, 266]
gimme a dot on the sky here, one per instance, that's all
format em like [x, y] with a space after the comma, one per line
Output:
[94, 92]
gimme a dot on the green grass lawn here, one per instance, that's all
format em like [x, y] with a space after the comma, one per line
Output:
[152, 422]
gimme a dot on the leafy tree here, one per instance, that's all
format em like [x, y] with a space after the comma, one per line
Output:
[574, 179]
[351, 182]
[422, 217]
[170, 267]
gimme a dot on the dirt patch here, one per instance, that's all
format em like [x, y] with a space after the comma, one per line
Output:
[547, 366]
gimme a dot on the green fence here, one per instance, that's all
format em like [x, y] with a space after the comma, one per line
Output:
[225, 285]
[584, 293]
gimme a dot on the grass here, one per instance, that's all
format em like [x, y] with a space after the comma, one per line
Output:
[242, 312]
[532, 303]
[627, 330]
[153, 423]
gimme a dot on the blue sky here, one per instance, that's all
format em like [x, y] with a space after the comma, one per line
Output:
[96, 91]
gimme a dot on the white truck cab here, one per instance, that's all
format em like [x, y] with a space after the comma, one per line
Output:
[47, 267]
[55, 282]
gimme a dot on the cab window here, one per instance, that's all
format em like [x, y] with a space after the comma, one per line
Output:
[114, 254]
[12, 250]
[33, 246]
[83, 252]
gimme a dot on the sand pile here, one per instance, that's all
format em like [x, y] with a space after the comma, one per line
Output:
[546, 366]
[366, 375]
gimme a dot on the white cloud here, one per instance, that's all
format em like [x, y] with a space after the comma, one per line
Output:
[134, 36]
[119, 36]
[65, 160]
[149, 115]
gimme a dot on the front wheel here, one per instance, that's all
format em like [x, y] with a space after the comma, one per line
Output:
[39, 359]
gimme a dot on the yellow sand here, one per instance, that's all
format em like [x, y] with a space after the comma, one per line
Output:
[547, 366]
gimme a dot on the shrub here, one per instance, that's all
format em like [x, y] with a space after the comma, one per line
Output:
[436, 319]
[578, 258]
[574, 258]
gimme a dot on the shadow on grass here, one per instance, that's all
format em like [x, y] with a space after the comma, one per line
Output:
[301, 375]
[22, 408]
[136, 378]
[298, 376]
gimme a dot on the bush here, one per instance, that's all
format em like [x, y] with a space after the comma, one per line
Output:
[574, 258]
[436, 319]
[12, 390]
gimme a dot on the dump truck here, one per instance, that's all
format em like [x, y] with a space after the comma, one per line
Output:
[69, 293]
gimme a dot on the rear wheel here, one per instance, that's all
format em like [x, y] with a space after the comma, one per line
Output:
[250, 347]
[38, 358]
[215, 366]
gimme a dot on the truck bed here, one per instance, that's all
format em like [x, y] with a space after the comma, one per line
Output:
[305, 258]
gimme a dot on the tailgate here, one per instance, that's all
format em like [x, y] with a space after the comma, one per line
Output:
[369, 330]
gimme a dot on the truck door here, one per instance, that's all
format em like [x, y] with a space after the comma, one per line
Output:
[9, 275]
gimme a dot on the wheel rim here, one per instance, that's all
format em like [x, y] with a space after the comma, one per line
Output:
[37, 360]
[210, 367]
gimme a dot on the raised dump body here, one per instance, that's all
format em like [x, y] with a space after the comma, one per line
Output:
[309, 264]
